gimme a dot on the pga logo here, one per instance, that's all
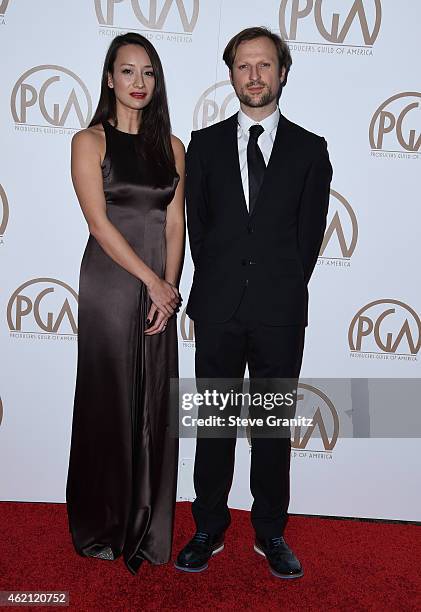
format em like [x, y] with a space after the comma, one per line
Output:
[215, 104]
[387, 326]
[341, 233]
[396, 123]
[149, 14]
[43, 305]
[344, 22]
[51, 95]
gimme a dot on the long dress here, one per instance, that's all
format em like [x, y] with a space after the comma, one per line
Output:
[121, 483]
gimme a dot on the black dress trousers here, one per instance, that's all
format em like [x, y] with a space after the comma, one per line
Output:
[222, 351]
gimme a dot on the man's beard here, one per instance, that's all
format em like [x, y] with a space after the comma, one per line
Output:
[257, 102]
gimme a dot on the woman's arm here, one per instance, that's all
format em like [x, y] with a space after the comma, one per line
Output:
[87, 181]
[175, 228]
[174, 236]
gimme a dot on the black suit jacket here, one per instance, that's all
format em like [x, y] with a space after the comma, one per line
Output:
[272, 251]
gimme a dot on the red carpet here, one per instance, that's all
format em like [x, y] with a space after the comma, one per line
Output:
[349, 565]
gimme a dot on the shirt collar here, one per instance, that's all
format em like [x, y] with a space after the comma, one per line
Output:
[268, 124]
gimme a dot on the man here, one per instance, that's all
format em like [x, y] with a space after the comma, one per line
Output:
[257, 198]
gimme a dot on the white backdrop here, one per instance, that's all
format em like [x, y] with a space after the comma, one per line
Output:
[354, 80]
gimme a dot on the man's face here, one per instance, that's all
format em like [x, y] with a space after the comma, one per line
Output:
[255, 73]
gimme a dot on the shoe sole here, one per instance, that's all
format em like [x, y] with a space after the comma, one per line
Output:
[285, 576]
[195, 570]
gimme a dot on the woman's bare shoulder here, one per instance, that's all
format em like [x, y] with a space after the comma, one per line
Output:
[91, 139]
[177, 146]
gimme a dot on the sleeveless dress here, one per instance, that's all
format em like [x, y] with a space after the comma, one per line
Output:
[121, 484]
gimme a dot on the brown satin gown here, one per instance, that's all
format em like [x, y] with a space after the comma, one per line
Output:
[121, 483]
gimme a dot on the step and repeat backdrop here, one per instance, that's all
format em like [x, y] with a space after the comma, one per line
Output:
[355, 80]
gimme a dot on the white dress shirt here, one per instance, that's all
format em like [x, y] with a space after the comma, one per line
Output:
[265, 142]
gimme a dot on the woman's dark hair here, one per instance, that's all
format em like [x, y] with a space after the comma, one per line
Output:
[155, 128]
[282, 49]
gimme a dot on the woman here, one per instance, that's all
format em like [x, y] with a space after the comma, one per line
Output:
[128, 174]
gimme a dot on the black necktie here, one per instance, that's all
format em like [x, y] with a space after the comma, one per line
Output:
[256, 165]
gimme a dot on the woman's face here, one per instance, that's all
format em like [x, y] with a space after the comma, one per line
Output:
[133, 79]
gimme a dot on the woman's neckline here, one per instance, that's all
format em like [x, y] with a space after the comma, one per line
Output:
[120, 131]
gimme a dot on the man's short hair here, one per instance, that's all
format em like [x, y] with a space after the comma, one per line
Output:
[284, 55]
